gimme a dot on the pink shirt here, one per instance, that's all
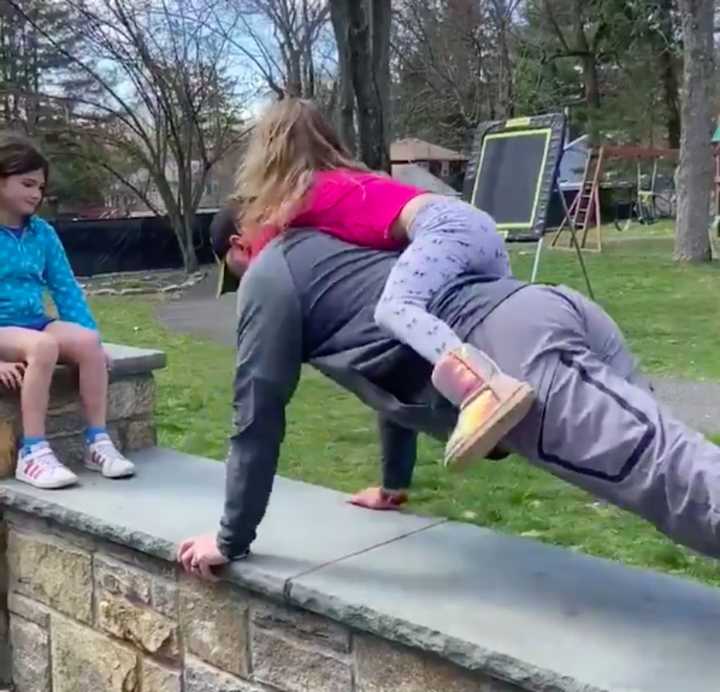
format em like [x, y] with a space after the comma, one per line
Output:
[356, 206]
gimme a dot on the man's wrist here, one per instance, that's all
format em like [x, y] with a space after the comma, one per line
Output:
[395, 492]
[230, 552]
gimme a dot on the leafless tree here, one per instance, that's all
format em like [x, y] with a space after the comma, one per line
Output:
[502, 15]
[286, 41]
[30, 65]
[692, 243]
[456, 57]
[362, 33]
[165, 108]
[581, 30]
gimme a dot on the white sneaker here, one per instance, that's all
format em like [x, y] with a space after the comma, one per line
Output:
[39, 467]
[104, 457]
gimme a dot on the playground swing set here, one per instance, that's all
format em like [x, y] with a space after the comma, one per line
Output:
[647, 203]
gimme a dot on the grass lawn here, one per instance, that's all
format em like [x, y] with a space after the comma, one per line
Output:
[671, 315]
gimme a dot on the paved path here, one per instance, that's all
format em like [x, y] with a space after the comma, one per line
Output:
[199, 313]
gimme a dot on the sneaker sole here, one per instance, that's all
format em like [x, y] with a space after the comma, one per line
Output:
[56, 485]
[125, 474]
[486, 438]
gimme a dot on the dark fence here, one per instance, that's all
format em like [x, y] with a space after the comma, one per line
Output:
[103, 246]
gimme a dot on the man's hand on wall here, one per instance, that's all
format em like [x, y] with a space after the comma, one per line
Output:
[379, 498]
[199, 555]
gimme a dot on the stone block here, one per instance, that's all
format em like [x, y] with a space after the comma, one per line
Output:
[382, 666]
[306, 627]
[64, 386]
[136, 584]
[201, 677]
[54, 573]
[9, 406]
[137, 559]
[292, 667]
[32, 525]
[31, 656]
[165, 597]
[65, 419]
[28, 610]
[8, 446]
[131, 397]
[86, 661]
[214, 623]
[3, 565]
[5, 654]
[135, 623]
[159, 678]
[139, 434]
[116, 578]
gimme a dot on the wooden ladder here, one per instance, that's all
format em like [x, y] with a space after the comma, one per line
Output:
[586, 205]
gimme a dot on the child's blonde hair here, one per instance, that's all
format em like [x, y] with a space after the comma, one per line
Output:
[291, 140]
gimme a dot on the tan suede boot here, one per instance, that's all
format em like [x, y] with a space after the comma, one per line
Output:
[491, 403]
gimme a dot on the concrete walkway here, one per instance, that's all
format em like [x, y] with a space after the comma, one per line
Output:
[201, 314]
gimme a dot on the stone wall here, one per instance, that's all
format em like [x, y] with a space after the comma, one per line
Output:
[130, 419]
[89, 616]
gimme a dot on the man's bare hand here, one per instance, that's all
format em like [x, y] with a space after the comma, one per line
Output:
[11, 375]
[199, 555]
[379, 498]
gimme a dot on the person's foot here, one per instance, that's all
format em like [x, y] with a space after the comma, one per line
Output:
[102, 456]
[491, 403]
[38, 466]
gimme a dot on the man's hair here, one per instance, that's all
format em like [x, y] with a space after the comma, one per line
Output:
[223, 225]
[19, 155]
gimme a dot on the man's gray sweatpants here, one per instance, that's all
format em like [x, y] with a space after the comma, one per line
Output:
[595, 422]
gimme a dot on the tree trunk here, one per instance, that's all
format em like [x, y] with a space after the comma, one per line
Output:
[381, 19]
[294, 78]
[363, 26]
[591, 81]
[507, 95]
[589, 59]
[180, 212]
[368, 84]
[671, 98]
[692, 242]
[505, 86]
[184, 234]
[668, 73]
[339, 14]
[361, 71]
[190, 260]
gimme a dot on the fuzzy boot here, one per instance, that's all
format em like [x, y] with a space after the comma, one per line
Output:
[491, 403]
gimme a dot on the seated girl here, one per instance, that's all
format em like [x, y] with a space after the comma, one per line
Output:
[32, 260]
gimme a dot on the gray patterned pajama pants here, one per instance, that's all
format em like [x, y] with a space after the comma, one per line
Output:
[447, 238]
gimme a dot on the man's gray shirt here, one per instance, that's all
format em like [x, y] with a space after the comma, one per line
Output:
[310, 298]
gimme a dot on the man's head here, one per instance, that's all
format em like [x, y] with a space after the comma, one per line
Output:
[232, 253]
